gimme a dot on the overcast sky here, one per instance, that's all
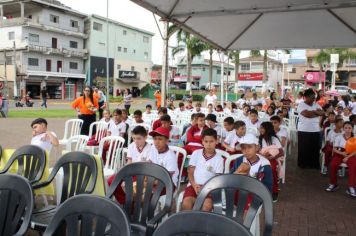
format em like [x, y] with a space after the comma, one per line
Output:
[129, 13]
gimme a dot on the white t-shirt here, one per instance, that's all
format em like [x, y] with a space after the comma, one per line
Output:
[275, 142]
[210, 99]
[118, 129]
[340, 141]
[40, 141]
[232, 139]
[240, 102]
[168, 160]
[137, 155]
[256, 125]
[282, 133]
[205, 168]
[345, 118]
[353, 106]
[110, 123]
[332, 135]
[255, 167]
[308, 124]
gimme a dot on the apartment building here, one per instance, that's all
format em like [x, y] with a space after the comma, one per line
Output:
[45, 41]
[130, 54]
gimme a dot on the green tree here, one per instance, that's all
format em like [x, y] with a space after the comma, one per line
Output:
[235, 57]
[192, 46]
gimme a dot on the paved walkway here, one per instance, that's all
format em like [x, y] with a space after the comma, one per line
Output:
[304, 208]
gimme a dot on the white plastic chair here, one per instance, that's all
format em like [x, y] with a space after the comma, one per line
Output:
[79, 141]
[124, 157]
[72, 128]
[113, 154]
[229, 160]
[101, 132]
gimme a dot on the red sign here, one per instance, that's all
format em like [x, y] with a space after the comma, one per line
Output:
[251, 76]
[314, 77]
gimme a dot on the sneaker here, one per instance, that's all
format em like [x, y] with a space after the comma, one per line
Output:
[332, 188]
[351, 191]
[324, 171]
[275, 197]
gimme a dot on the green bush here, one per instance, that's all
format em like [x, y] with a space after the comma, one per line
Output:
[179, 96]
[116, 99]
[198, 98]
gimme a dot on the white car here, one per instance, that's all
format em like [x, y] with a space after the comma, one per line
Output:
[343, 90]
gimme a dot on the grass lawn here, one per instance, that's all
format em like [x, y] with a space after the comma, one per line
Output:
[36, 113]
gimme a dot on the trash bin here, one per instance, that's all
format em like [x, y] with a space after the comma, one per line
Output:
[5, 108]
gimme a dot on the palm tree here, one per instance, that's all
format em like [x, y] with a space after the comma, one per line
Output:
[323, 57]
[210, 64]
[235, 57]
[192, 46]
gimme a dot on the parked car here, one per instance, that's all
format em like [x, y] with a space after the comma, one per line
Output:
[343, 90]
[213, 85]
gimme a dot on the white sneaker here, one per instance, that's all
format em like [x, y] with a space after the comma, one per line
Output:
[351, 191]
[332, 188]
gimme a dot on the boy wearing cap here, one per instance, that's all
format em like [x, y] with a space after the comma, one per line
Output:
[211, 122]
[203, 165]
[252, 164]
[161, 154]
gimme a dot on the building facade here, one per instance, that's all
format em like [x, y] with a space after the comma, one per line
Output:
[130, 53]
[45, 42]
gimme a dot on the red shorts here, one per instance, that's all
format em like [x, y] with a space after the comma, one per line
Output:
[190, 192]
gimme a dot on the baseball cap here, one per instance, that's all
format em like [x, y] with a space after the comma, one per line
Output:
[249, 139]
[211, 117]
[160, 131]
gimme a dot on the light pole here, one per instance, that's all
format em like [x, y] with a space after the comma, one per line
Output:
[107, 56]
[334, 60]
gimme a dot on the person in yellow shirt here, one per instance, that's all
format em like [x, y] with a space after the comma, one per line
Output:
[86, 107]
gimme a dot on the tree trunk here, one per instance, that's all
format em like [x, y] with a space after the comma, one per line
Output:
[210, 67]
[189, 74]
[237, 63]
[265, 79]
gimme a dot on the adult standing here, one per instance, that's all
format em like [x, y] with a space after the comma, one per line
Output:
[210, 98]
[101, 101]
[86, 107]
[320, 99]
[158, 97]
[44, 95]
[127, 100]
[309, 131]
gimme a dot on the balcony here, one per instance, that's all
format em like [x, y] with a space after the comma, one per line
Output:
[76, 31]
[67, 52]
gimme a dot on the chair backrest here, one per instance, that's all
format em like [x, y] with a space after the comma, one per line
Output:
[79, 141]
[79, 174]
[124, 157]
[251, 195]
[16, 204]
[0, 152]
[77, 216]
[72, 128]
[31, 162]
[179, 151]
[141, 198]
[200, 223]
[326, 131]
[228, 162]
[114, 145]
[101, 129]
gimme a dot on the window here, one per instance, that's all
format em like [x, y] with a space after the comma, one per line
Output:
[218, 72]
[146, 69]
[11, 35]
[33, 61]
[73, 65]
[74, 23]
[97, 26]
[54, 19]
[35, 38]
[146, 39]
[134, 51]
[125, 50]
[119, 49]
[245, 66]
[8, 60]
[119, 67]
[293, 70]
[132, 68]
[73, 44]
[203, 68]
[146, 55]
[124, 32]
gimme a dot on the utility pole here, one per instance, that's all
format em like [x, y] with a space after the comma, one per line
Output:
[15, 70]
[164, 63]
[5, 75]
[107, 57]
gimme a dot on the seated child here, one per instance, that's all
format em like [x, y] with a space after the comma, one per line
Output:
[232, 141]
[197, 108]
[120, 128]
[174, 136]
[330, 121]
[347, 113]
[180, 109]
[41, 136]
[330, 139]
[219, 108]
[138, 151]
[282, 134]
[228, 127]
[148, 110]
[212, 123]
[203, 165]
[125, 117]
[251, 163]
[269, 141]
[245, 112]
[189, 107]
[137, 115]
[253, 120]
[157, 123]
[194, 141]
[210, 109]
[340, 156]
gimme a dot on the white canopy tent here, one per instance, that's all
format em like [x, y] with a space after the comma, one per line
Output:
[259, 24]
[263, 24]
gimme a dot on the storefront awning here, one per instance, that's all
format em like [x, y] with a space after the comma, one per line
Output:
[262, 24]
[131, 81]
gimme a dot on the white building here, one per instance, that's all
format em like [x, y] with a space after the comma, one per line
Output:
[48, 38]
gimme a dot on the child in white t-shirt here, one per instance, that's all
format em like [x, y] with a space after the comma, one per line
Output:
[119, 128]
[174, 135]
[232, 141]
[281, 133]
[212, 123]
[253, 120]
[139, 150]
[203, 165]
[107, 119]
[41, 137]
